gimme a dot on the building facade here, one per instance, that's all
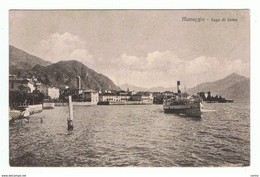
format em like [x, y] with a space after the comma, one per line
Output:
[112, 97]
[53, 92]
[18, 84]
[42, 88]
[90, 96]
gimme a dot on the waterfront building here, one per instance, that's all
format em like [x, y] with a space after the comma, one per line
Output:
[133, 92]
[113, 97]
[169, 93]
[42, 88]
[90, 96]
[145, 97]
[123, 96]
[16, 84]
[53, 92]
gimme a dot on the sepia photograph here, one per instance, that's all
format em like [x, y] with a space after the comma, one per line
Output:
[129, 88]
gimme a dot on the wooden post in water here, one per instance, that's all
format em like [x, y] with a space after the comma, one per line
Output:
[70, 119]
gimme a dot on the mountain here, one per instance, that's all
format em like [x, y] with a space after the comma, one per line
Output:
[153, 89]
[64, 73]
[132, 87]
[61, 74]
[162, 89]
[239, 91]
[19, 59]
[233, 86]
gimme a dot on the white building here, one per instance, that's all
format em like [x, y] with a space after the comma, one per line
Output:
[110, 97]
[90, 96]
[16, 84]
[53, 92]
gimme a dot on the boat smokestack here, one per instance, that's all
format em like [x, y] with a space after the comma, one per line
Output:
[178, 86]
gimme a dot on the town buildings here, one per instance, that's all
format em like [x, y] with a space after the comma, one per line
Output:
[79, 95]
[53, 92]
[126, 97]
[91, 96]
[20, 84]
[113, 97]
[32, 84]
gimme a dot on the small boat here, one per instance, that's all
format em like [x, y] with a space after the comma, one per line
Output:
[18, 114]
[26, 113]
[15, 114]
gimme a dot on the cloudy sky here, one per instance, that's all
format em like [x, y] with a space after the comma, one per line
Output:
[145, 48]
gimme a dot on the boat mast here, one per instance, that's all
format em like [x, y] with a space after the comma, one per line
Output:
[178, 88]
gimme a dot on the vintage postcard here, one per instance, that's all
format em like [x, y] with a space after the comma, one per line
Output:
[129, 88]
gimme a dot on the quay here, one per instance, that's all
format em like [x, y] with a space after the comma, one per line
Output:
[48, 105]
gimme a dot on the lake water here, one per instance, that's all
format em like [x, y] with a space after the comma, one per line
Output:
[133, 135]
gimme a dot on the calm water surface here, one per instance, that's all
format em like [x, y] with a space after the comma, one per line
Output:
[133, 135]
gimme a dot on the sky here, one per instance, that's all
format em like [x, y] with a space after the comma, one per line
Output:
[145, 48]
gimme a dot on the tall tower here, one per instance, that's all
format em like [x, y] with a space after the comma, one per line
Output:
[79, 84]
[178, 86]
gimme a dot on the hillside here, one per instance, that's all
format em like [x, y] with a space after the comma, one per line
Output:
[64, 73]
[240, 91]
[61, 74]
[22, 60]
[233, 86]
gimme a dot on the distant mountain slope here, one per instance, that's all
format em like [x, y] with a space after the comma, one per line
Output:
[153, 89]
[162, 89]
[20, 59]
[132, 87]
[233, 86]
[239, 91]
[64, 73]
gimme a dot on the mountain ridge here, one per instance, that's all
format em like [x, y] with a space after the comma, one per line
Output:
[233, 86]
[24, 60]
[152, 89]
[60, 74]
[64, 73]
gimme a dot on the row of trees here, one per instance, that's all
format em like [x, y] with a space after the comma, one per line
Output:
[213, 98]
[22, 98]
[158, 99]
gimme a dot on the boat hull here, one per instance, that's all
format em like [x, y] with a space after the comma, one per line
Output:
[192, 110]
[15, 114]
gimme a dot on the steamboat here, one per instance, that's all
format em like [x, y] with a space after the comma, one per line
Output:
[182, 103]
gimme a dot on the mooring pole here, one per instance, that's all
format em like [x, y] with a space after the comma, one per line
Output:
[70, 119]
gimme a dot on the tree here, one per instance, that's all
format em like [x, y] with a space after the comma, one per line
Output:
[216, 98]
[37, 97]
[24, 88]
[47, 80]
[209, 98]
